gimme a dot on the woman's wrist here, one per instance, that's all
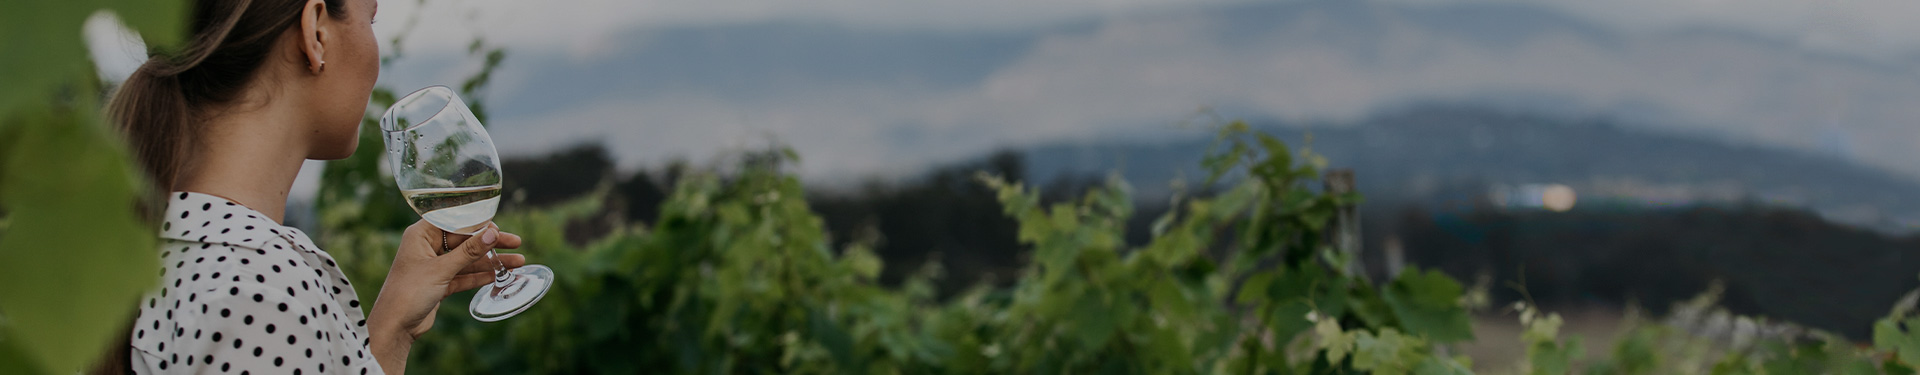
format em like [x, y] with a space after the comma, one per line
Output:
[392, 336]
[390, 344]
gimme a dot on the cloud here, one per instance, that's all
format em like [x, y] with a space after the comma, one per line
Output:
[1873, 29]
[1139, 75]
[840, 131]
[1722, 84]
[583, 27]
[1819, 76]
[1876, 29]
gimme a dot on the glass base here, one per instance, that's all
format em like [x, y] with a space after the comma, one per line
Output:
[524, 287]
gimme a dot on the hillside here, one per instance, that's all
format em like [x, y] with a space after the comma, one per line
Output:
[1454, 156]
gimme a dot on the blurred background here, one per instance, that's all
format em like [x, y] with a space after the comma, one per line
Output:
[1611, 157]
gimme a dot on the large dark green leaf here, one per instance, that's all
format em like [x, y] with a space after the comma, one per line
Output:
[74, 258]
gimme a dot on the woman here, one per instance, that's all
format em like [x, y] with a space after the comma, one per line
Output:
[223, 124]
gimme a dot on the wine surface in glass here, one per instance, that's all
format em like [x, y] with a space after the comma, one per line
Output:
[459, 210]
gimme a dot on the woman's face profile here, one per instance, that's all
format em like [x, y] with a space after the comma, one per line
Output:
[343, 85]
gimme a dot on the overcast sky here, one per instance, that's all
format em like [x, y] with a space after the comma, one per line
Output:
[1870, 28]
[1826, 76]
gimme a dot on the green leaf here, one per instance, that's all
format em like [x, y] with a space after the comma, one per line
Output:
[1427, 304]
[1290, 319]
[1308, 288]
[1366, 304]
[1256, 287]
[14, 360]
[1386, 353]
[862, 262]
[1552, 358]
[1637, 353]
[44, 48]
[1336, 342]
[1898, 337]
[75, 257]
[1435, 365]
[1167, 296]
[832, 336]
[1895, 368]
[1094, 320]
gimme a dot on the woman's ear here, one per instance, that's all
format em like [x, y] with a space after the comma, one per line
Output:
[313, 34]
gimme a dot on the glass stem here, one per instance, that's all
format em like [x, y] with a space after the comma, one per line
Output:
[500, 275]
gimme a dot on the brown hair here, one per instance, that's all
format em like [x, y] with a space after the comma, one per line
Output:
[158, 108]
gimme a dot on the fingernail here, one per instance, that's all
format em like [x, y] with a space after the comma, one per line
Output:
[489, 235]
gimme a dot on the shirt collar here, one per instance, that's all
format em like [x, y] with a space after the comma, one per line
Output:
[199, 217]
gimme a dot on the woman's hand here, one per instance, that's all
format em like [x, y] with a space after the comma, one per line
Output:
[421, 276]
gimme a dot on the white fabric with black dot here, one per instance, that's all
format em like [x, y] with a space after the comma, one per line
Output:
[242, 294]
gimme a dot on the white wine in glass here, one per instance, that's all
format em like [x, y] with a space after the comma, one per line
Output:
[460, 207]
[447, 169]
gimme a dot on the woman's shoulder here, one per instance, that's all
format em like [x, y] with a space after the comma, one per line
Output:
[218, 299]
[202, 281]
[208, 239]
[204, 218]
[191, 265]
[239, 289]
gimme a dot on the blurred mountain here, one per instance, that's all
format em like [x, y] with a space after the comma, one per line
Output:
[1454, 156]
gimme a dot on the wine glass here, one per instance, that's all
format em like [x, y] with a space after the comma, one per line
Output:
[449, 172]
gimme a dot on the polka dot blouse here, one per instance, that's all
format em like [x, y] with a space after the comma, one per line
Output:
[242, 294]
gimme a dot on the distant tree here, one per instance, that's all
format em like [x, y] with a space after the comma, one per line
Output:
[559, 175]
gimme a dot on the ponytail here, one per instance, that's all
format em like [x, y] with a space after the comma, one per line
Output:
[154, 115]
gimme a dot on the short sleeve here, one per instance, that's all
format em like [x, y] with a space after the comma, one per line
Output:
[253, 330]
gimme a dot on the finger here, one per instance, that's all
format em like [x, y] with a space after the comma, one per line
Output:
[507, 241]
[438, 241]
[454, 238]
[474, 248]
[486, 265]
[427, 234]
[469, 281]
